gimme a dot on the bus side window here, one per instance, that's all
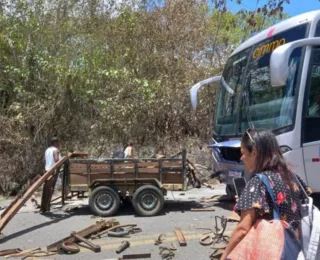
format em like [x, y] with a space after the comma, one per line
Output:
[314, 90]
[312, 113]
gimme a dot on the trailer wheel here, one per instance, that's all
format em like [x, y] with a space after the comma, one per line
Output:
[148, 200]
[104, 201]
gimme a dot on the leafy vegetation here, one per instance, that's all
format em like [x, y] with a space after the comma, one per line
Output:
[96, 73]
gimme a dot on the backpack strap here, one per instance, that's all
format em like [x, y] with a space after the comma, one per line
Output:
[301, 187]
[264, 179]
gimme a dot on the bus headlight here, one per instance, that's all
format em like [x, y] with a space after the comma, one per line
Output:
[284, 149]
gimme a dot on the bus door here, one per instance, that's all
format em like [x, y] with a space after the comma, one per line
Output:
[311, 123]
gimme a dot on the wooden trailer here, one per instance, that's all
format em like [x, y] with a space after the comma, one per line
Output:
[144, 181]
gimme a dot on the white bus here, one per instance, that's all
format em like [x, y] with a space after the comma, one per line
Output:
[271, 81]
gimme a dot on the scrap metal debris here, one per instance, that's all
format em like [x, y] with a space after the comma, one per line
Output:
[34, 252]
[217, 237]
[121, 232]
[95, 248]
[86, 233]
[160, 239]
[217, 253]
[69, 248]
[167, 252]
[124, 245]
[10, 251]
[99, 234]
[136, 256]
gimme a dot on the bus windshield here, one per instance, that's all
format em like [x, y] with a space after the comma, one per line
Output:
[254, 103]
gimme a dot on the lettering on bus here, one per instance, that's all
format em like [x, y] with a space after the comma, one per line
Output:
[267, 48]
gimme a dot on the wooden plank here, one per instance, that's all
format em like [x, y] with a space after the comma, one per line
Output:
[96, 176]
[78, 168]
[79, 154]
[180, 237]
[101, 170]
[17, 204]
[86, 233]
[78, 178]
[171, 164]
[95, 166]
[48, 189]
[77, 165]
[148, 164]
[123, 165]
[124, 170]
[148, 175]
[148, 170]
[123, 175]
[204, 209]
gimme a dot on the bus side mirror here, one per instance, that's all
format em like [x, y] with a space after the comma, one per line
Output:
[196, 87]
[279, 61]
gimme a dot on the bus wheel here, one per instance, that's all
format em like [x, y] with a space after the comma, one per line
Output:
[104, 201]
[148, 200]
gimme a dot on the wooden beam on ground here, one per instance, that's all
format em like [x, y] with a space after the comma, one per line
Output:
[16, 205]
[86, 233]
[204, 209]
[48, 190]
[180, 237]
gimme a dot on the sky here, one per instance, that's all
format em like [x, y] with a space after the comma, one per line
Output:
[294, 8]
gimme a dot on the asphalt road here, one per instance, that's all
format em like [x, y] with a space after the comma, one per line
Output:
[29, 229]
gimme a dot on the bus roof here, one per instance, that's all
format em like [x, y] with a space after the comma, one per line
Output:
[277, 28]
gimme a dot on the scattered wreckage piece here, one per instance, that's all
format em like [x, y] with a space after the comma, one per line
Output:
[217, 253]
[26, 194]
[34, 252]
[124, 245]
[208, 186]
[95, 248]
[234, 217]
[131, 256]
[10, 251]
[216, 237]
[180, 237]
[203, 209]
[99, 234]
[120, 232]
[69, 248]
[86, 233]
[160, 239]
[167, 253]
[136, 256]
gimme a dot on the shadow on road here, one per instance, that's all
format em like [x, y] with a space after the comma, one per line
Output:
[169, 206]
[55, 219]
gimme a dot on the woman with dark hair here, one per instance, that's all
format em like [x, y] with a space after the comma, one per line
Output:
[261, 153]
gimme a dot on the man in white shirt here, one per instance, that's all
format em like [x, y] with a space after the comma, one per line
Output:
[52, 154]
[128, 152]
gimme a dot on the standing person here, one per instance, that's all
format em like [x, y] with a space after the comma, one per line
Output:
[261, 154]
[52, 154]
[128, 152]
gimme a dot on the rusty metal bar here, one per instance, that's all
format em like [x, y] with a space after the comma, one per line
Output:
[136, 256]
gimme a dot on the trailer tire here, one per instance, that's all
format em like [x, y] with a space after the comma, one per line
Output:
[148, 200]
[104, 201]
